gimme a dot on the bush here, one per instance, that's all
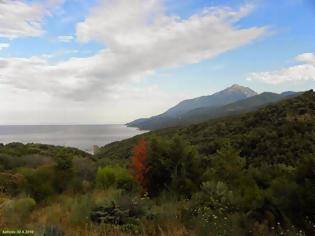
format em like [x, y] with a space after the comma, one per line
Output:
[63, 172]
[39, 182]
[17, 211]
[84, 170]
[124, 210]
[105, 177]
[80, 209]
[24, 206]
[173, 164]
[114, 176]
[11, 184]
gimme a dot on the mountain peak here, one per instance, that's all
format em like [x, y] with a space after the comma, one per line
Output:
[235, 86]
[240, 89]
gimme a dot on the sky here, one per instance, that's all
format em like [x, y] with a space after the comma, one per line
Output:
[112, 61]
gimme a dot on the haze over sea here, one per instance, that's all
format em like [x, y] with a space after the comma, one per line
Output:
[79, 136]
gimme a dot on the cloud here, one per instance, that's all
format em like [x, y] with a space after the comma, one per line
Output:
[139, 39]
[306, 57]
[19, 19]
[65, 38]
[23, 19]
[300, 72]
[4, 45]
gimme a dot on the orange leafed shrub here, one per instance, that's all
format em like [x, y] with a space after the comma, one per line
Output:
[138, 162]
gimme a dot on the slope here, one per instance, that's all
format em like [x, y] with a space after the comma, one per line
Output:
[278, 133]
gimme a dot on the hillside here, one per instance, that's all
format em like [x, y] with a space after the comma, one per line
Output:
[280, 132]
[173, 115]
[203, 114]
[248, 174]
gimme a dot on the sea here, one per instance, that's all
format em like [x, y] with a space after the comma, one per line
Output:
[83, 137]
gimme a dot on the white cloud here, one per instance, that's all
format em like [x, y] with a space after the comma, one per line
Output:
[4, 45]
[301, 72]
[20, 18]
[65, 38]
[139, 39]
[306, 57]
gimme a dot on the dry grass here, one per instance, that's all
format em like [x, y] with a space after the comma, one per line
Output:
[59, 211]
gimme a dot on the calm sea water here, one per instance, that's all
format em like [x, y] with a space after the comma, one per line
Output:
[79, 136]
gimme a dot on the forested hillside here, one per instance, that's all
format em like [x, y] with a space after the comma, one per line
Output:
[280, 132]
[249, 174]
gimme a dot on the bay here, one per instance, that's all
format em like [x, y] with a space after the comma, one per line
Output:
[83, 137]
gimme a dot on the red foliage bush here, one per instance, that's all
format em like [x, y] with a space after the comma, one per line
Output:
[138, 163]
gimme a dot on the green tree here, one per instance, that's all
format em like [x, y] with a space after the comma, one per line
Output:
[39, 182]
[63, 172]
[228, 166]
[173, 165]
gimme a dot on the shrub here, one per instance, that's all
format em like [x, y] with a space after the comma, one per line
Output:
[7, 161]
[39, 182]
[138, 163]
[63, 172]
[124, 210]
[105, 177]
[17, 211]
[24, 206]
[80, 209]
[124, 180]
[173, 164]
[228, 166]
[114, 176]
[11, 184]
[84, 169]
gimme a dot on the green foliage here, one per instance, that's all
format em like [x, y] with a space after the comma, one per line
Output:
[39, 182]
[17, 211]
[105, 177]
[84, 169]
[24, 206]
[303, 201]
[124, 211]
[63, 172]
[279, 133]
[80, 209]
[115, 177]
[11, 183]
[21, 150]
[173, 165]
[227, 166]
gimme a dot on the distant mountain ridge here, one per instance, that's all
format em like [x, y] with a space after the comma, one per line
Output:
[226, 96]
[230, 101]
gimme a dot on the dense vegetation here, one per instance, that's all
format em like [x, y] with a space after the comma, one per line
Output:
[252, 174]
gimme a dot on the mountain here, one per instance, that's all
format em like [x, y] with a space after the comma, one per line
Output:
[226, 96]
[282, 132]
[245, 105]
[201, 114]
